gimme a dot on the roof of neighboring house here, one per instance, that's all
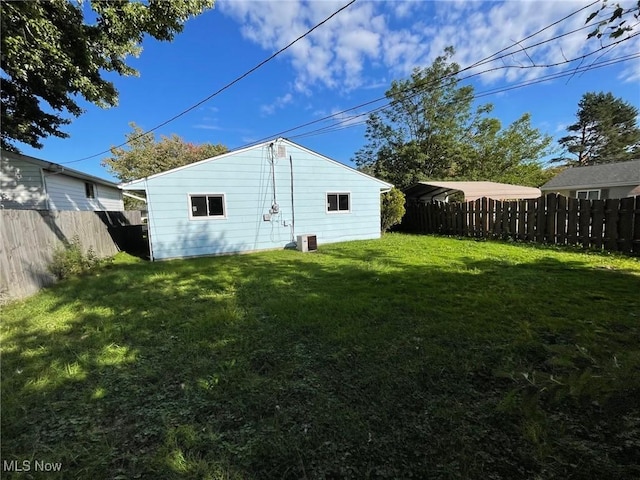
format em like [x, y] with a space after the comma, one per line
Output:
[605, 175]
[57, 168]
[139, 183]
[472, 190]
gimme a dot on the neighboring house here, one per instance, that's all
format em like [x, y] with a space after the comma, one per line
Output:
[609, 180]
[426, 192]
[258, 198]
[27, 183]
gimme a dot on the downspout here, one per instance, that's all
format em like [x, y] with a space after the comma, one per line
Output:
[293, 214]
[149, 219]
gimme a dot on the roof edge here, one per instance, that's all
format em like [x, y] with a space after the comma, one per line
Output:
[61, 169]
[383, 185]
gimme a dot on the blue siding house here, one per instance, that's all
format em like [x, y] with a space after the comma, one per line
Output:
[258, 198]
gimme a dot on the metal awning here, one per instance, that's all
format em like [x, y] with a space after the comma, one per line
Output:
[429, 191]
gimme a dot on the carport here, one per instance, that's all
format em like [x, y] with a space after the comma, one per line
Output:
[426, 192]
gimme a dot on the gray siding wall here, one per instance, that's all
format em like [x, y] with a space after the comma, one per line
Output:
[68, 193]
[613, 192]
[247, 182]
[20, 184]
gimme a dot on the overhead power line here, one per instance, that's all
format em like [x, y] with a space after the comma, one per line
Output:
[219, 91]
[348, 122]
[414, 92]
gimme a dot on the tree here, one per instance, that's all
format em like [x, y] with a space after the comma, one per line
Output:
[617, 23]
[51, 56]
[391, 208]
[430, 131]
[145, 156]
[606, 131]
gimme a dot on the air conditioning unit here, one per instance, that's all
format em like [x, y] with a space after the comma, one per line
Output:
[307, 243]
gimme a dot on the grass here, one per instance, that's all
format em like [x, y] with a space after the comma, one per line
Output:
[407, 357]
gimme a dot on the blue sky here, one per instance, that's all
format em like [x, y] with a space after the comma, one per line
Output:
[350, 60]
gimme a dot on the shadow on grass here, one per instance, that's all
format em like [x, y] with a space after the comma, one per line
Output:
[355, 362]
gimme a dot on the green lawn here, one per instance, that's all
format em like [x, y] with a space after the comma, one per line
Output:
[407, 357]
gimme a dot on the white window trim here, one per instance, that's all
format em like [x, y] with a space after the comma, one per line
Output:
[336, 212]
[207, 217]
[590, 190]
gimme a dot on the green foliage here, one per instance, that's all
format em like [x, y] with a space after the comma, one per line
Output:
[52, 54]
[145, 156]
[429, 132]
[391, 208]
[404, 357]
[70, 260]
[606, 131]
[614, 19]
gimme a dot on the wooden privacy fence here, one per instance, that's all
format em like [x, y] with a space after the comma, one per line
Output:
[612, 225]
[28, 239]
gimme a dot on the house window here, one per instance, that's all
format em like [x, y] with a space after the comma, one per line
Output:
[206, 206]
[89, 190]
[338, 202]
[588, 194]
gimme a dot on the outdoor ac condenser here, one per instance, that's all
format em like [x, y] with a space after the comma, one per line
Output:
[307, 243]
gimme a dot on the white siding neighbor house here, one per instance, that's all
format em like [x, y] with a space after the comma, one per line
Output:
[28, 183]
[258, 198]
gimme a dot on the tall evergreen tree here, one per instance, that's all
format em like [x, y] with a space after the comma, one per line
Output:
[606, 131]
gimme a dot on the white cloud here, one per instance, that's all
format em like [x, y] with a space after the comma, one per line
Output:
[379, 39]
[278, 103]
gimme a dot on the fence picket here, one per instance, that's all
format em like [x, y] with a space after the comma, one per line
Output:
[625, 225]
[613, 225]
[28, 239]
[597, 223]
[561, 220]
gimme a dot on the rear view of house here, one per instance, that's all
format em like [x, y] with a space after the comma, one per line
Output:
[28, 183]
[257, 198]
[597, 182]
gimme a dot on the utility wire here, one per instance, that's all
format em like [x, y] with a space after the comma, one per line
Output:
[415, 92]
[219, 91]
[483, 61]
[345, 123]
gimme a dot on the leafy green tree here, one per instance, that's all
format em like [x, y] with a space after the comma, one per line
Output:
[391, 208]
[52, 55]
[145, 156]
[606, 131]
[430, 131]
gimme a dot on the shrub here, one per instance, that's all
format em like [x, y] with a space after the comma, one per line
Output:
[70, 260]
[391, 208]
